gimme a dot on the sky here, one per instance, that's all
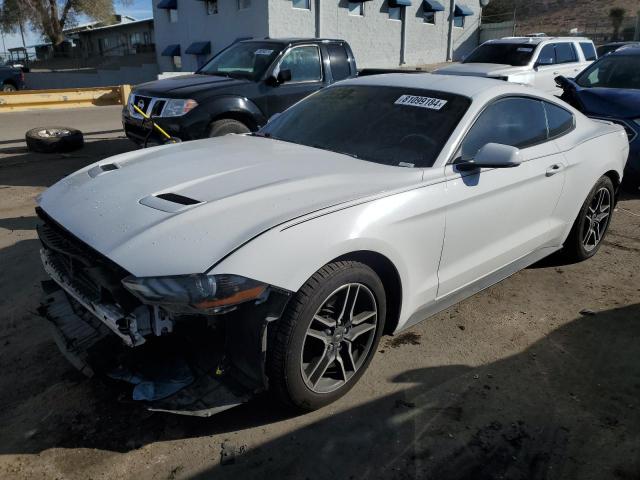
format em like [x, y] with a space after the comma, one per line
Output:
[138, 9]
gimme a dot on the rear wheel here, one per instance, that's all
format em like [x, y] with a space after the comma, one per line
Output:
[227, 126]
[7, 87]
[592, 223]
[328, 335]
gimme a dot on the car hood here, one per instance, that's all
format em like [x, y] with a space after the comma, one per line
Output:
[185, 85]
[610, 102]
[243, 186]
[480, 69]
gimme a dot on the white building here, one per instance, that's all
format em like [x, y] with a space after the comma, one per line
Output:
[382, 33]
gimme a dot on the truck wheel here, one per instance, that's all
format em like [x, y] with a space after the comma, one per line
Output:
[54, 139]
[327, 337]
[7, 87]
[226, 126]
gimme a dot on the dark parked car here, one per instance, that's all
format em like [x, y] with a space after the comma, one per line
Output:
[239, 89]
[610, 90]
[612, 47]
[11, 79]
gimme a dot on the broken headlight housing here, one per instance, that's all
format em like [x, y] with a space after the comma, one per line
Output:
[196, 293]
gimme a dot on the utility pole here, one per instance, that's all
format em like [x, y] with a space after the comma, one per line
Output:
[452, 8]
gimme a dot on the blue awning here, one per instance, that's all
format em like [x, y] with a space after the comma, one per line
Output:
[462, 10]
[199, 48]
[171, 51]
[168, 4]
[399, 3]
[433, 6]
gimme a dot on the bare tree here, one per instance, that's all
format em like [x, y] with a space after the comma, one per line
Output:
[51, 17]
[617, 17]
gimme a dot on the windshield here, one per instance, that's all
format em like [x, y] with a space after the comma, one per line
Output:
[612, 71]
[514, 54]
[387, 125]
[248, 60]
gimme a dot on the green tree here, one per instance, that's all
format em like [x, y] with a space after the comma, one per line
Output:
[617, 17]
[51, 17]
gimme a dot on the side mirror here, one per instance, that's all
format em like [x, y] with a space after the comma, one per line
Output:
[562, 81]
[493, 155]
[284, 76]
[543, 62]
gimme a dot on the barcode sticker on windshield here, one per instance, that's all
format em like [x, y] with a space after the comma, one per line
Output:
[422, 102]
[263, 51]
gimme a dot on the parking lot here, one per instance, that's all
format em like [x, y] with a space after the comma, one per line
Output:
[537, 377]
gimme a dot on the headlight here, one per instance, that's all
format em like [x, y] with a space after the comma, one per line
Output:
[199, 292]
[178, 107]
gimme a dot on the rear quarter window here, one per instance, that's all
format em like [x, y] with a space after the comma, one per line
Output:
[559, 120]
[340, 68]
[589, 51]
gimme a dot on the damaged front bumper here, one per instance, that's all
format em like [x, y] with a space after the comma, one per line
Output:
[192, 365]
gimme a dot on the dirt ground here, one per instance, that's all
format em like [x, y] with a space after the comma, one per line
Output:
[535, 378]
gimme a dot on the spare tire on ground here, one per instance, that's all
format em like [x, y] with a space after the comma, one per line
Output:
[54, 139]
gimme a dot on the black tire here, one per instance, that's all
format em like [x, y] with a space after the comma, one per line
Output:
[284, 355]
[8, 87]
[227, 126]
[574, 248]
[54, 139]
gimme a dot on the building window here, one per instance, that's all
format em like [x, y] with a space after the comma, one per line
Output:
[212, 7]
[177, 62]
[301, 4]
[430, 18]
[356, 9]
[458, 21]
[395, 13]
[244, 4]
[173, 15]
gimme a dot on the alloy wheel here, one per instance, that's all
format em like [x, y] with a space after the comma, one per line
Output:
[596, 219]
[339, 338]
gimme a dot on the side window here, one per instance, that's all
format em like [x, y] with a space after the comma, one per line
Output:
[518, 122]
[547, 55]
[339, 60]
[304, 63]
[566, 53]
[560, 121]
[589, 51]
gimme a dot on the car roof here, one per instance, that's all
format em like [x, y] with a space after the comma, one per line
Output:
[467, 86]
[627, 49]
[537, 40]
[293, 40]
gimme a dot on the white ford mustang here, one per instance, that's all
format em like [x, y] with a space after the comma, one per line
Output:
[275, 261]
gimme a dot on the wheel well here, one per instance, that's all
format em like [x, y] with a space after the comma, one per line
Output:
[615, 179]
[9, 82]
[386, 270]
[245, 118]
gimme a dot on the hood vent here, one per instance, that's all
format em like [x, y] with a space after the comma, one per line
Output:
[100, 169]
[175, 198]
[170, 202]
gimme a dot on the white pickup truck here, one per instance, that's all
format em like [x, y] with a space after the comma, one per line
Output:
[535, 61]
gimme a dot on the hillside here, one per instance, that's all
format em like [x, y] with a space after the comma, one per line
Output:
[560, 16]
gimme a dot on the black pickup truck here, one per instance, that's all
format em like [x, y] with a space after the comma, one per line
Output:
[239, 89]
[11, 79]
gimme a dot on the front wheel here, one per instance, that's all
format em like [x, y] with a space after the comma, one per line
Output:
[592, 223]
[328, 335]
[227, 126]
[7, 87]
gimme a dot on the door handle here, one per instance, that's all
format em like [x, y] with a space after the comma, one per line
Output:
[553, 169]
[556, 73]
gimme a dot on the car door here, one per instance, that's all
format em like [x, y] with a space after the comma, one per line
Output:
[307, 76]
[546, 69]
[568, 59]
[496, 217]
